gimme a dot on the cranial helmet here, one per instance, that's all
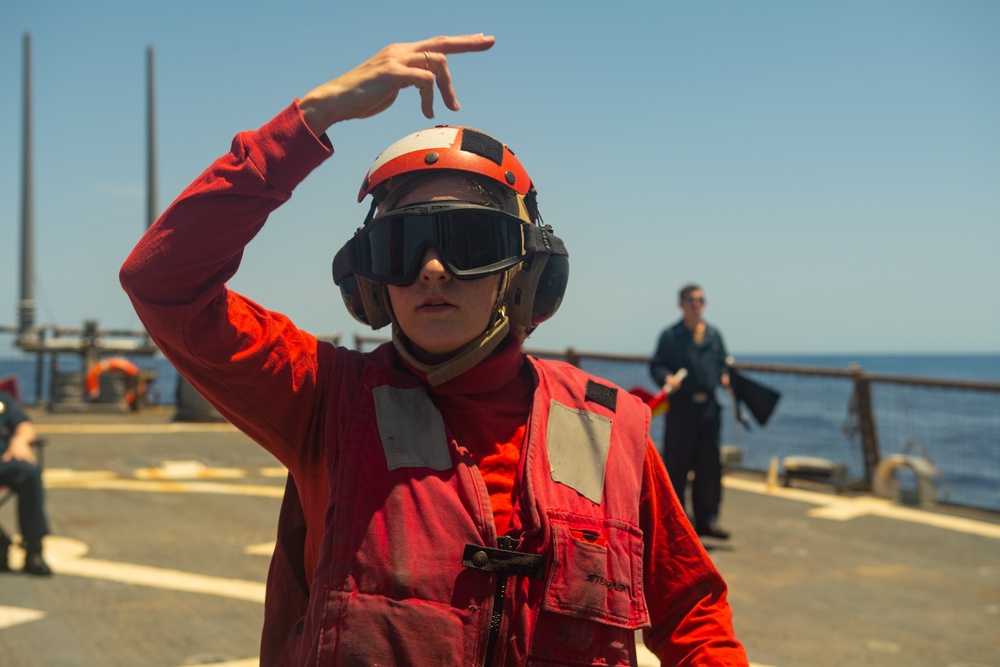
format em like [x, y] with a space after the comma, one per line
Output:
[514, 241]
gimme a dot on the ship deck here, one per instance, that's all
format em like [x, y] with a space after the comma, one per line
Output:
[162, 533]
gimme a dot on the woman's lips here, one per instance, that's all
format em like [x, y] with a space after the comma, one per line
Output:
[435, 304]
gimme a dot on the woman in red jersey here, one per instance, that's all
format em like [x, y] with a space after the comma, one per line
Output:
[450, 500]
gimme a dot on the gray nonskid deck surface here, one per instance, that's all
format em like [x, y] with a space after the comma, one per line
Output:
[162, 533]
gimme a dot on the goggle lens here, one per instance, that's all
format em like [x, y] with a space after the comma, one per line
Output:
[473, 241]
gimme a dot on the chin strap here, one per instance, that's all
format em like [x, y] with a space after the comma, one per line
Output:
[466, 358]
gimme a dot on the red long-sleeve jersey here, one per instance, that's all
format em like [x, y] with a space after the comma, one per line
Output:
[282, 387]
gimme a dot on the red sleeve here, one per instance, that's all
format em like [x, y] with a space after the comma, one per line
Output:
[686, 596]
[259, 370]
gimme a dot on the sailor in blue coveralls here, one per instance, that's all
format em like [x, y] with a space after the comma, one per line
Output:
[691, 438]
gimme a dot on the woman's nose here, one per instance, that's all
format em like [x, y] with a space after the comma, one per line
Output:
[433, 268]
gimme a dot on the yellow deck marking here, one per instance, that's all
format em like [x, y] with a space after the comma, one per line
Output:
[65, 477]
[249, 662]
[188, 470]
[95, 481]
[112, 429]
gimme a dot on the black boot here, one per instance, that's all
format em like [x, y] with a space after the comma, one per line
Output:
[33, 561]
[4, 547]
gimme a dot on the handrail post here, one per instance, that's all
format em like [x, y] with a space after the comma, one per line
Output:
[572, 358]
[862, 400]
[40, 370]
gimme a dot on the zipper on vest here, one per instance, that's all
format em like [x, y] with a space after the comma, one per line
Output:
[502, 563]
[506, 543]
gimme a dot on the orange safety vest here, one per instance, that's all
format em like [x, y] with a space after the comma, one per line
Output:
[411, 571]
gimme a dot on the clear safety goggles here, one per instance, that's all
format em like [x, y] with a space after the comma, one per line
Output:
[472, 241]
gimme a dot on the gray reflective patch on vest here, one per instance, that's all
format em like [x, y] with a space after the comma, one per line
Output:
[411, 429]
[578, 443]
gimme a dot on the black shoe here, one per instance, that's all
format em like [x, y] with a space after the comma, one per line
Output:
[4, 548]
[35, 564]
[713, 530]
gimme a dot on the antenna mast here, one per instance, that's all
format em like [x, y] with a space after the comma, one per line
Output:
[26, 305]
[151, 211]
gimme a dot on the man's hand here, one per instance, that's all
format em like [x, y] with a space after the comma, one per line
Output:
[673, 382]
[19, 445]
[373, 86]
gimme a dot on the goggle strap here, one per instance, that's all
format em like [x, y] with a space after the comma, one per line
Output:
[345, 262]
[531, 205]
[371, 214]
[542, 240]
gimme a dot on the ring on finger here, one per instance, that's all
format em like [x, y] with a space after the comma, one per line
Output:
[427, 61]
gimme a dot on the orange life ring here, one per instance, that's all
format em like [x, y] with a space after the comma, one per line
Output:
[114, 364]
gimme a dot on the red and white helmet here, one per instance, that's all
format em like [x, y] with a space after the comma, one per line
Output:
[451, 148]
[531, 290]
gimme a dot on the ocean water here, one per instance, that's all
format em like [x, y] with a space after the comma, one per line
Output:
[957, 430]
[977, 367]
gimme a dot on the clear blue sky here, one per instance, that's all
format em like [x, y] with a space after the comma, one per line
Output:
[829, 172]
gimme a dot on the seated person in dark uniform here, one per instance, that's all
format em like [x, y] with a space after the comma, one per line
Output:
[19, 471]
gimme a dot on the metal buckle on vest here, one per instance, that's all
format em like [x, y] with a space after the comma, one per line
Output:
[504, 561]
[508, 543]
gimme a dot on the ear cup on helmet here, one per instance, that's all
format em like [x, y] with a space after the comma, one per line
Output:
[536, 289]
[365, 301]
[351, 294]
[373, 297]
[551, 288]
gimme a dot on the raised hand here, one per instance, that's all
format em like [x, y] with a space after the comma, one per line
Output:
[373, 86]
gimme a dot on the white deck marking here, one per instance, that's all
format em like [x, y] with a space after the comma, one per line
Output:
[11, 616]
[104, 480]
[262, 549]
[646, 658]
[840, 508]
[67, 557]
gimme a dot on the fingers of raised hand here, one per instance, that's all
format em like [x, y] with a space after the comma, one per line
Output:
[437, 64]
[447, 44]
[373, 86]
[430, 55]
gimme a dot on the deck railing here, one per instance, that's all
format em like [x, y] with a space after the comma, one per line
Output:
[844, 415]
[847, 416]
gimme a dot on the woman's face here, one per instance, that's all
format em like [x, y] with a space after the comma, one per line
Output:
[438, 313]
